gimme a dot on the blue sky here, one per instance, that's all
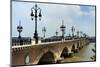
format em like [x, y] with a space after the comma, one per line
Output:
[81, 17]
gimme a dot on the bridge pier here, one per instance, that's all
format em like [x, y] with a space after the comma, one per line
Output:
[74, 48]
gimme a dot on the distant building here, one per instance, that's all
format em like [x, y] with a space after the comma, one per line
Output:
[58, 38]
[92, 39]
[51, 39]
[68, 38]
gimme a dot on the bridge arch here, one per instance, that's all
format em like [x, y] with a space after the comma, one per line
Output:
[47, 58]
[78, 45]
[27, 58]
[64, 52]
[73, 48]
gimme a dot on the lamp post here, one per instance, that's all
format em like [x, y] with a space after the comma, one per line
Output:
[19, 29]
[69, 35]
[56, 33]
[35, 13]
[73, 30]
[44, 31]
[81, 33]
[62, 27]
[77, 34]
[84, 35]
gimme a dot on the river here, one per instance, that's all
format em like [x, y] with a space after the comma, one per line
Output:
[84, 54]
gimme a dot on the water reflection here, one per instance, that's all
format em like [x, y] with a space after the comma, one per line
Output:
[86, 52]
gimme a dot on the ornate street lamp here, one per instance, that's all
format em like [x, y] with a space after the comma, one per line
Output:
[69, 35]
[35, 13]
[73, 30]
[81, 33]
[78, 34]
[62, 27]
[44, 31]
[84, 35]
[56, 33]
[19, 29]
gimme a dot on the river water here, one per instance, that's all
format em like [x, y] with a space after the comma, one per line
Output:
[84, 54]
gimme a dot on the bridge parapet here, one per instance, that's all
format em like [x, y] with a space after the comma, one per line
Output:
[14, 48]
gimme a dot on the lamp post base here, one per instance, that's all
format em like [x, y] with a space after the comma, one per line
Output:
[36, 38]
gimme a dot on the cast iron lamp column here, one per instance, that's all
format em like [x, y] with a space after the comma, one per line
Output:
[77, 34]
[81, 34]
[44, 31]
[73, 30]
[19, 29]
[56, 33]
[35, 15]
[62, 27]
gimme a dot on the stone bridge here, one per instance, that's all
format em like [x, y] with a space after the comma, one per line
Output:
[50, 52]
